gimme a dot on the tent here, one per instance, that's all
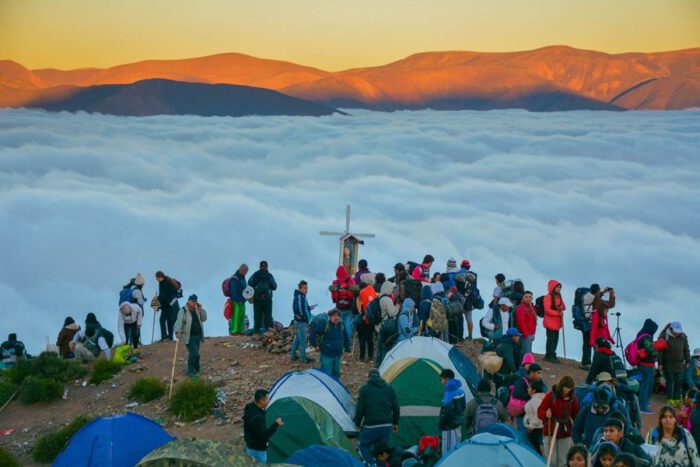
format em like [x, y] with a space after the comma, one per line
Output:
[413, 369]
[507, 431]
[486, 449]
[121, 440]
[316, 409]
[316, 455]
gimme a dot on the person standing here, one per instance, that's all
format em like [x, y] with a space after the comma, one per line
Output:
[557, 411]
[189, 328]
[376, 414]
[602, 360]
[674, 360]
[263, 283]
[362, 269]
[11, 350]
[330, 339]
[343, 291]
[498, 290]
[237, 285]
[167, 297]
[533, 424]
[553, 319]
[365, 329]
[422, 271]
[646, 363]
[466, 281]
[521, 395]
[302, 316]
[452, 410]
[526, 322]
[255, 431]
[599, 317]
[675, 446]
[484, 409]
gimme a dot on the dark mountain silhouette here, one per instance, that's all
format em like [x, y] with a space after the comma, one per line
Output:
[165, 97]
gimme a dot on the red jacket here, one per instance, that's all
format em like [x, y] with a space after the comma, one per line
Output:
[526, 319]
[553, 319]
[599, 328]
[563, 411]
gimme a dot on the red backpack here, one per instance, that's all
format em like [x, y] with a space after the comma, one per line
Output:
[343, 297]
[632, 350]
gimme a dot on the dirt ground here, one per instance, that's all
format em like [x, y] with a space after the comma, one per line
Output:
[237, 365]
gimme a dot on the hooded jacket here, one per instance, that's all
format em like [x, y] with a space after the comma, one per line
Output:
[65, 337]
[167, 295]
[377, 404]
[237, 285]
[648, 354]
[343, 287]
[602, 361]
[473, 405]
[588, 421]
[489, 322]
[453, 406]
[386, 302]
[263, 275]
[553, 319]
[526, 319]
[256, 434]
[426, 299]
[677, 354]
[405, 320]
[300, 307]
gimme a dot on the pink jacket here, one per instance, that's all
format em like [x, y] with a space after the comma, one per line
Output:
[552, 317]
[418, 274]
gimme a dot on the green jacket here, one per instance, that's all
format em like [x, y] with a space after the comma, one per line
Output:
[377, 404]
[183, 324]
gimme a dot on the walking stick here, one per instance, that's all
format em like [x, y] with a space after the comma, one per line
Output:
[172, 373]
[9, 400]
[552, 442]
[153, 329]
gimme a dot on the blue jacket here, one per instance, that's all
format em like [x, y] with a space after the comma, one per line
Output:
[300, 306]
[587, 423]
[333, 338]
[453, 407]
[406, 326]
[426, 298]
[450, 280]
[237, 285]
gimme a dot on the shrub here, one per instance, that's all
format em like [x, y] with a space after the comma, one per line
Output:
[193, 400]
[7, 390]
[7, 459]
[46, 365]
[48, 446]
[103, 370]
[146, 390]
[35, 389]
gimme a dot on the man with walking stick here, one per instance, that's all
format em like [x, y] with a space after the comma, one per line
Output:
[557, 411]
[189, 328]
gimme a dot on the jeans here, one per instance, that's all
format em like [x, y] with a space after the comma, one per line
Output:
[674, 384]
[348, 320]
[260, 456]
[552, 343]
[526, 345]
[646, 387]
[586, 349]
[193, 359]
[262, 315]
[300, 339]
[168, 315]
[365, 333]
[331, 365]
[369, 436]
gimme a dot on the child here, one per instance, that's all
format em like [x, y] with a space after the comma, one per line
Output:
[687, 408]
[532, 422]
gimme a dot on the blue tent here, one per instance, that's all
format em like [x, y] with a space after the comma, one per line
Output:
[316, 455]
[486, 450]
[507, 431]
[122, 440]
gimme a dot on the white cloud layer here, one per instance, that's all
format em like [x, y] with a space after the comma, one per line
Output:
[86, 201]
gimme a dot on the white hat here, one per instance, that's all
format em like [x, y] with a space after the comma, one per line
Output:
[248, 292]
[368, 278]
[676, 327]
[452, 265]
[139, 279]
[505, 301]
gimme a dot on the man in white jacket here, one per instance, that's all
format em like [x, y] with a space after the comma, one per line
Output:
[497, 324]
[129, 325]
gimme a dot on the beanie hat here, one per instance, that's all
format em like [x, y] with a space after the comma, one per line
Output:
[139, 280]
[528, 358]
[373, 372]
[12, 337]
[68, 321]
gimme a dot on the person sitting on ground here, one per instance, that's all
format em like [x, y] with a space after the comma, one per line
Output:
[675, 445]
[613, 432]
[526, 322]
[189, 328]
[65, 337]
[577, 456]
[406, 323]
[330, 339]
[255, 431]
[129, 319]
[558, 410]
[11, 350]
[602, 360]
[483, 410]
[625, 460]
[302, 316]
[509, 349]
[389, 456]
[451, 411]
[674, 359]
[591, 417]
[521, 395]
[376, 414]
[532, 423]
[554, 308]
[605, 454]
[89, 344]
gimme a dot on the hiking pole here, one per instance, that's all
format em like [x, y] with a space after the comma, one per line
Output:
[8, 400]
[153, 329]
[552, 443]
[172, 373]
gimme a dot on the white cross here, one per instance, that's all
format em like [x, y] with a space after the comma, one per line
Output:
[343, 236]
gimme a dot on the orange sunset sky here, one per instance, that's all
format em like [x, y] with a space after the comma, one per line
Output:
[329, 34]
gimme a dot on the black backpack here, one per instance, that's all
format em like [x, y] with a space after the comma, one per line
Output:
[581, 323]
[262, 291]
[539, 306]
[374, 311]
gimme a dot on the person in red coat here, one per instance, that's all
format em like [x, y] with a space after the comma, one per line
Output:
[557, 411]
[553, 319]
[526, 322]
[599, 318]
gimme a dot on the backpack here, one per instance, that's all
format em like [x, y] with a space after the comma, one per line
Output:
[454, 308]
[373, 313]
[438, 316]
[178, 287]
[516, 407]
[411, 266]
[539, 306]
[581, 322]
[226, 286]
[262, 291]
[342, 296]
[390, 331]
[486, 414]
[632, 350]
[126, 294]
[102, 332]
[485, 332]
[412, 289]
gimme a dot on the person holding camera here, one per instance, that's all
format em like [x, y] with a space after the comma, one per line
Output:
[599, 318]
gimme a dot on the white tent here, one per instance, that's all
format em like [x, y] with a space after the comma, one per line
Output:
[321, 388]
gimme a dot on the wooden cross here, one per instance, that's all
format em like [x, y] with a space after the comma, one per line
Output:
[349, 243]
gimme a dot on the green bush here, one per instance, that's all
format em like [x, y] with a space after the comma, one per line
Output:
[35, 389]
[146, 390]
[193, 400]
[103, 370]
[7, 390]
[46, 365]
[7, 459]
[48, 446]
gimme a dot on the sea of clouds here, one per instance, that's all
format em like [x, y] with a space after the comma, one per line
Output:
[86, 201]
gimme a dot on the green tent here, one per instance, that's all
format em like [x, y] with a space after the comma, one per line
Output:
[305, 423]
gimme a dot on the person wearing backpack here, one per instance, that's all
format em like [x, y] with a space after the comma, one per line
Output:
[602, 360]
[130, 317]
[526, 322]
[675, 445]
[422, 271]
[236, 286]
[365, 329]
[89, 343]
[483, 410]
[452, 411]
[496, 321]
[520, 395]
[674, 359]
[553, 319]
[532, 423]
[386, 330]
[406, 323]
[263, 284]
[376, 415]
[426, 300]
[330, 339]
[167, 297]
[343, 290]
[302, 315]
[558, 410]
[508, 349]
[642, 354]
[466, 282]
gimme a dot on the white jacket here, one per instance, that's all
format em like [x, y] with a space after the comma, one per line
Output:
[490, 325]
[531, 420]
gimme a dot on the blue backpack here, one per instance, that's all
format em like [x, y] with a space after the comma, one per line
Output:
[126, 294]
[581, 323]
